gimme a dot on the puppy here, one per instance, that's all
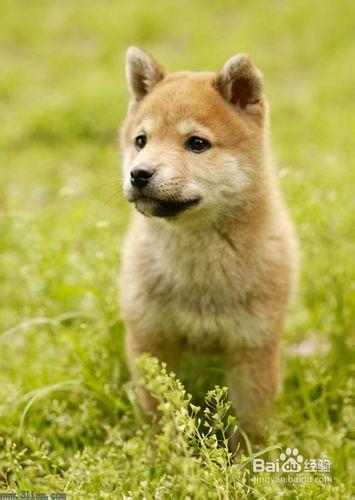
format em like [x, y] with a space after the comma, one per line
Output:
[210, 259]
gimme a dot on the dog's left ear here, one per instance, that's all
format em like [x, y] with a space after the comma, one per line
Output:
[142, 72]
[240, 82]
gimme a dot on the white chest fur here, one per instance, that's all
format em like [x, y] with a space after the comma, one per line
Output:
[198, 285]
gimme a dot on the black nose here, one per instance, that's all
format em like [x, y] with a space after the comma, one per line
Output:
[140, 176]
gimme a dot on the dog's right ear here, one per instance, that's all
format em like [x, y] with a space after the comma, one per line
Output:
[142, 72]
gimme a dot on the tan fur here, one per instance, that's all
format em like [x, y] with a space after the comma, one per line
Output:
[218, 276]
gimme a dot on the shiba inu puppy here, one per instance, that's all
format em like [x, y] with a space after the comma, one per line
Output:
[210, 258]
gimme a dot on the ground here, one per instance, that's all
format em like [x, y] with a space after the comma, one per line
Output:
[69, 420]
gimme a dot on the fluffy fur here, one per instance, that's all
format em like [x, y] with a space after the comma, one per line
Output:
[218, 275]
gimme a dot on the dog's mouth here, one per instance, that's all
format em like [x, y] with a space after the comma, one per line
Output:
[163, 208]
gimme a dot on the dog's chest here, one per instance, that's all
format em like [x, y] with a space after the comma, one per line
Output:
[197, 288]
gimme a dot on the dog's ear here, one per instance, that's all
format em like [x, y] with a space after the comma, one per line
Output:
[142, 72]
[240, 82]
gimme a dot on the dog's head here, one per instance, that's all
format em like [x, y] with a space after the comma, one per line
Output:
[193, 143]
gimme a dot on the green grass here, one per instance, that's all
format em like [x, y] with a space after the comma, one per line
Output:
[69, 420]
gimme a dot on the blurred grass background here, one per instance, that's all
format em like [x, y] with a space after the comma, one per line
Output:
[62, 215]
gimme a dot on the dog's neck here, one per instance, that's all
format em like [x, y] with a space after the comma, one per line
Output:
[239, 223]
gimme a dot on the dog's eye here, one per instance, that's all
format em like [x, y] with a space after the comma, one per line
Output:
[141, 141]
[197, 144]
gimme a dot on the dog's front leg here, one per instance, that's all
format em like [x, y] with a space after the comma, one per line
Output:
[254, 381]
[165, 349]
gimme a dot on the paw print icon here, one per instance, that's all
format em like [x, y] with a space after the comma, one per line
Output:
[292, 460]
